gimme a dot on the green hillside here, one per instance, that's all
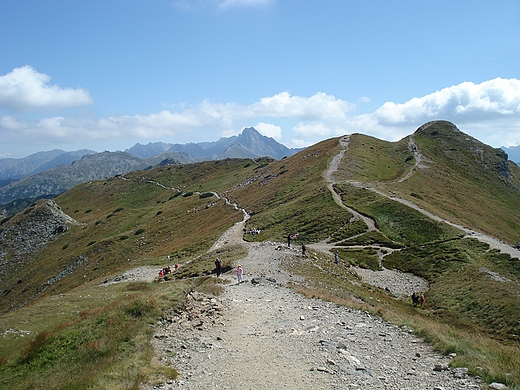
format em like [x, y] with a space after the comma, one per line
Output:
[84, 333]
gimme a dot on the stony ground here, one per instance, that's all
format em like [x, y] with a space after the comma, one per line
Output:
[262, 335]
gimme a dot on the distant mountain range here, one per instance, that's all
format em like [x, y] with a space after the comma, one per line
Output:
[47, 174]
[513, 153]
[249, 144]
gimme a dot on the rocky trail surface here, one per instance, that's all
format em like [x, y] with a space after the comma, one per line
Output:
[260, 334]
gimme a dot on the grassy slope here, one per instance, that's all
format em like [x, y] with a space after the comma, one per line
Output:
[290, 197]
[468, 311]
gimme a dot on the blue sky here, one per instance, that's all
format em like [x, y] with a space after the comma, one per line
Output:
[106, 74]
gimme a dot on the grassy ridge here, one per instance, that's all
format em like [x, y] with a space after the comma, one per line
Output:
[472, 305]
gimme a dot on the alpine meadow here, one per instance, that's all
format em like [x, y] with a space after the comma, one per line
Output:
[438, 205]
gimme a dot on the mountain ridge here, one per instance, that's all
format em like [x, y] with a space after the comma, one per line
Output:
[174, 214]
[53, 172]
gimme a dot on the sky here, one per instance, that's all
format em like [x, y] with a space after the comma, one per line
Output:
[107, 74]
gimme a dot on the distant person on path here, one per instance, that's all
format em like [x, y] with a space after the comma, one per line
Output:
[415, 299]
[218, 267]
[336, 256]
[421, 299]
[289, 240]
[240, 272]
[304, 252]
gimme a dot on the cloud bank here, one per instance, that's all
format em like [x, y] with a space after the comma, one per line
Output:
[489, 111]
[24, 89]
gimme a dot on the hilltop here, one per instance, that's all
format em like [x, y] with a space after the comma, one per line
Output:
[437, 205]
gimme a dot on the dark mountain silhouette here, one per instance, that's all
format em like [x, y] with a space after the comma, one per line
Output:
[151, 149]
[63, 177]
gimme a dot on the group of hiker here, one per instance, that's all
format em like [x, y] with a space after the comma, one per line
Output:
[417, 299]
[218, 270]
[167, 270]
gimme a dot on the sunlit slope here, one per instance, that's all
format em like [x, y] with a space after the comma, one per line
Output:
[129, 221]
[458, 177]
[291, 196]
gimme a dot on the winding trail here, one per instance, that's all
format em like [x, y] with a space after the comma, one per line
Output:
[420, 163]
[260, 334]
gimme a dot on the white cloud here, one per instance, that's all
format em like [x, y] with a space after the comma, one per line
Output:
[24, 89]
[317, 107]
[269, 130]
[463, 103]
[489, 111]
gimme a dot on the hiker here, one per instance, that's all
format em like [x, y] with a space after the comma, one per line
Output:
[240, 272]
[303, 250]
[218, 267]
[421, 299]
[415, 299]
[176, 266]
[161, 273]
[289, 240]
[336, 256]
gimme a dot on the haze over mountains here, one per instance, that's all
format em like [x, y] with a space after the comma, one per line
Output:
[51, 173]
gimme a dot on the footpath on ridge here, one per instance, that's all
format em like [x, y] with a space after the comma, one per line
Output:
[260, 334]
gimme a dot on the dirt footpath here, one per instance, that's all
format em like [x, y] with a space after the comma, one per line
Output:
[262, 335]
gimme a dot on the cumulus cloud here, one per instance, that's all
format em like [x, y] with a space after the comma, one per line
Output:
[318, 106]
[489, 111]
[466, 102]
[269, 130]
[24, 89]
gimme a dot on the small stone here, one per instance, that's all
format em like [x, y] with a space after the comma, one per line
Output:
[440, 367]
[460, 372]
[497, 386]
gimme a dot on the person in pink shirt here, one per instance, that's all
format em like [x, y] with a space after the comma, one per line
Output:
[240, 272]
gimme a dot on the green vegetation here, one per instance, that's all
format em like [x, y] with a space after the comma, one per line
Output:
[396, 221]
[84, 334]
[92, 337]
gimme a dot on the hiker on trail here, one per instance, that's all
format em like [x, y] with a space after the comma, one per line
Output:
[421, 299]
[336, 256]
[290, 237]
[304, 253]
[415, 299]
[218, 267]
[240, 272]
